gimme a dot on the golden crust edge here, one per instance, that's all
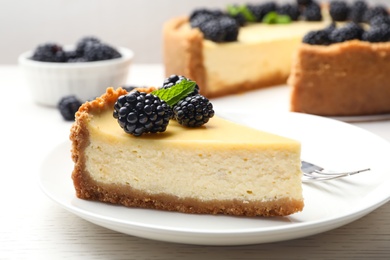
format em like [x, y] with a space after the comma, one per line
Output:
[183, 52]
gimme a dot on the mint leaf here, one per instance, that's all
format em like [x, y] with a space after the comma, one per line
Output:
[175, 93]
[249, 16]
[275, 18]
[283, 19]
[234, 10]
[270, 18]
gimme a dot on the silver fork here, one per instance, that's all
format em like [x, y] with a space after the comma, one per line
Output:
[315, 173]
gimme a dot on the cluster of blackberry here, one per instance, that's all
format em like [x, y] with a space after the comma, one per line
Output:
[87, 49]
[221, 26]
[138, 113]
[308, 10]
[358, 12]
[377, 17]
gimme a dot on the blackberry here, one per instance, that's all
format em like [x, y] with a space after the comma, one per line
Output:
[220, 29]
[379, 21]
[99, 51]
[68, 107]
[198, 20]
[357, 11]
[193, 111]
[375, 12]
[377, 34]
[203, 11]
[350, 31]
[240, 19]
[80, 46]
[49, 52]
[215, 25]
[175, 79]
[199, 16]
[138, 113]
[260, 10]
[212, 31]
[240, 13]
[312, 12]
[292, 10]
[72, 56]
[230, 26]
[330, 27]
[319, 37]
[338, 10]
[304, 2]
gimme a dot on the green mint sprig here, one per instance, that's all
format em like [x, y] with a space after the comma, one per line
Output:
[234, 10]
[175, 93]
[275, 18]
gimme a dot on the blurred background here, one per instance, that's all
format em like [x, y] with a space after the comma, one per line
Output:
[136, 24]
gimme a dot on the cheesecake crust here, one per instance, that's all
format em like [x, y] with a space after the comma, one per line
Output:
[127, 196]
[183, 52]
[90, 189]
[343, 79]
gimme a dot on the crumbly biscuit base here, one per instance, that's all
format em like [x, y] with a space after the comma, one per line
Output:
[127, 196]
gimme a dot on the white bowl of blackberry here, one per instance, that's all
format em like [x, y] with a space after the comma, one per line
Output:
[82, 71]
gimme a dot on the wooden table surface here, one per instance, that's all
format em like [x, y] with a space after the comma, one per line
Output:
[32, 226]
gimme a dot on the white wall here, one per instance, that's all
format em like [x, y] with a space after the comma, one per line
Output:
[135, 24]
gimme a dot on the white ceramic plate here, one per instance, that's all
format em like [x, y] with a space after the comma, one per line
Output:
[326, 142]
[276, 99]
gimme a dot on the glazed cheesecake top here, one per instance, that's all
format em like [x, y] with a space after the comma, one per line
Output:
[259, 32]
[217, 130]
[98, 115]
[271, 32]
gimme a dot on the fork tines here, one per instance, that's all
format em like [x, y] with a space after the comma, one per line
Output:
[320, 175]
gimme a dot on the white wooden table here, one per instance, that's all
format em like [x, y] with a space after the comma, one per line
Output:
[34, 227]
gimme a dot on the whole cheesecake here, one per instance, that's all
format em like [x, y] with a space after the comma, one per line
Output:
[261, 56]
[218, 168]
[343, 73]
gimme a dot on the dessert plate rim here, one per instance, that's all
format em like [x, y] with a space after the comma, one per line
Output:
[327, 205]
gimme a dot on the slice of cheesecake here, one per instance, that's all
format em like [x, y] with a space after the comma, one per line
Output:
[261, 56]
[219, 168]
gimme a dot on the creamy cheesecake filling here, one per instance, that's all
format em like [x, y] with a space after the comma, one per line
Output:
[244, 170]
[262, 52]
